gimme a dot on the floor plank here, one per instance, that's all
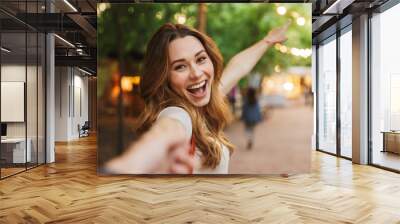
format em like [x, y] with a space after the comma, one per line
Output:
[69, 191]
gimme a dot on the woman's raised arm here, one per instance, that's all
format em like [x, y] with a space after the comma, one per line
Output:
[242, 63]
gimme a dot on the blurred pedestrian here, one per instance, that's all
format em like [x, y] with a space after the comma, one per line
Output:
[251, 114]
[232, 100]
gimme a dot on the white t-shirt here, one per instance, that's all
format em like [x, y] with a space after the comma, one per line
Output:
[182, 116]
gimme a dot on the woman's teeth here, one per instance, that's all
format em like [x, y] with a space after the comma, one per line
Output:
[198, 85]
[198, 88]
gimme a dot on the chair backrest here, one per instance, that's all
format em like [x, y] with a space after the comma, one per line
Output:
[86, 125]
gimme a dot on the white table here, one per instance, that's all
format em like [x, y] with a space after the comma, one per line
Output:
[18, 149]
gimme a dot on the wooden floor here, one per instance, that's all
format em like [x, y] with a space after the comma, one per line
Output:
[10, 171]
[69, 191]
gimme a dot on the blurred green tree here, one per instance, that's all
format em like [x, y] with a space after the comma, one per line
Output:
[124, 30]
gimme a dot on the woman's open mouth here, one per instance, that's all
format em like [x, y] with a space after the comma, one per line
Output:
[198, 90]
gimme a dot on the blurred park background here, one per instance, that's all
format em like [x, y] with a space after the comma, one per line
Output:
[282, 77]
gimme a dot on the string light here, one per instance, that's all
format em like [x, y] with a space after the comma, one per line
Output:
[301, 21]
[281, 10]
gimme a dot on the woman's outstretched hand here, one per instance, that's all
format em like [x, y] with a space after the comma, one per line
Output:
[164, 149]
[145, 157]
[277, 35]
[180, 161]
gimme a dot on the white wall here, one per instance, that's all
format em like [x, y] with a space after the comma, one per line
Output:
[71, 94]
[13, 73]
[61, 103]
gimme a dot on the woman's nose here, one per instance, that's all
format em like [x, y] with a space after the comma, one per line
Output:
[196, 72]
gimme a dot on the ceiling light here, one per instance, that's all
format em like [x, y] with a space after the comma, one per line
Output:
[5, 50]
[84, 71]
[70, 5]
[338, 6]
[64, 40]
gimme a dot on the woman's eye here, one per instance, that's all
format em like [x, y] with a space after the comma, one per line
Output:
[179, 67]
[201, 59]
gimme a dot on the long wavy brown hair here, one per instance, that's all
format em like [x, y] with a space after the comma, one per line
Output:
[208, 121]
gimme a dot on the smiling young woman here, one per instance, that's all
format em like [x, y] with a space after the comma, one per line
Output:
[184, 86]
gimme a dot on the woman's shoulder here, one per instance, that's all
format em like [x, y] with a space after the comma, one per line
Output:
[179, 114]
[173, 110]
